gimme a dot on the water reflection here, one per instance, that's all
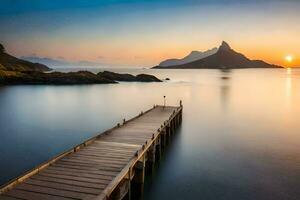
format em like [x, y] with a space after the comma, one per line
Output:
[225, 87]
[288, 87]
[251, 152]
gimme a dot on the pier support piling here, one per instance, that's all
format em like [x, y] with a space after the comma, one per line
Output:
[150, 160]
[158, 148]
[137, 183]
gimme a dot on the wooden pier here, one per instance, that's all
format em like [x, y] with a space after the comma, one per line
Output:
[110, 166]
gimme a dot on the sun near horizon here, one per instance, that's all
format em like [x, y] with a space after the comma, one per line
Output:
[289, 58]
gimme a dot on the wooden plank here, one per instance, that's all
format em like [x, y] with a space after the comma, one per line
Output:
[54, 192]
[94, 162]
[21, 194]
[125, 141]
[100, 160]
[78, 174]
[87, 168]
[89, 171]
[74, 178]
[142, 139]
[64, 186]
[117, 148]
[113, 144]
[77, 161]
[113, 150]
[102, 151]
[68, 182]
[129, 149]
[99, 151]
[142, 128]
[132, 135]
[8, 198]
[128, 131]
[105, 156]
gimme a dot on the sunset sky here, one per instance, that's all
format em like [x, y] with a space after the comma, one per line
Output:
[142, 33]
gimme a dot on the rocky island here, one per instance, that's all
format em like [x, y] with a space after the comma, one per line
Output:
[128, 77]
[17, 71]
[224, 58]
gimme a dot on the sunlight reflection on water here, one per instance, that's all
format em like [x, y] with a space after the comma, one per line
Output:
[239, 137]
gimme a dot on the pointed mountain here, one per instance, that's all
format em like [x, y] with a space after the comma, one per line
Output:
[225, 46]
[224, 58]
[11, 63]
[193, 56]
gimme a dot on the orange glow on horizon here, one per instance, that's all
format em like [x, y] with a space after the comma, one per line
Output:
[149, 53]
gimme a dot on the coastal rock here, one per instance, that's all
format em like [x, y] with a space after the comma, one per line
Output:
[128, 77]
[117, 77]
[147, 78]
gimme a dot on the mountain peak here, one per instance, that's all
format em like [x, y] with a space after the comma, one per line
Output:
[2, 49]
[224, 46]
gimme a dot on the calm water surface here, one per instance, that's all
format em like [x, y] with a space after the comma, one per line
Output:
[239, 139]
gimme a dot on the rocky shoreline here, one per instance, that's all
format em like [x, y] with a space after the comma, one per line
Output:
[70, 78]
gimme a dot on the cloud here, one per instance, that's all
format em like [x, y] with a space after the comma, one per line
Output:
[100, 57]
[138, 57]
[32, 55]
[60, 57]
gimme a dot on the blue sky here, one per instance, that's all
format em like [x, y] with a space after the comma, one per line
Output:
[132, 32]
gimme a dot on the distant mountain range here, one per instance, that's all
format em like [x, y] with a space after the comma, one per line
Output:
[60, 62]
[224, 58]
[193, 56]
[11, 63]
